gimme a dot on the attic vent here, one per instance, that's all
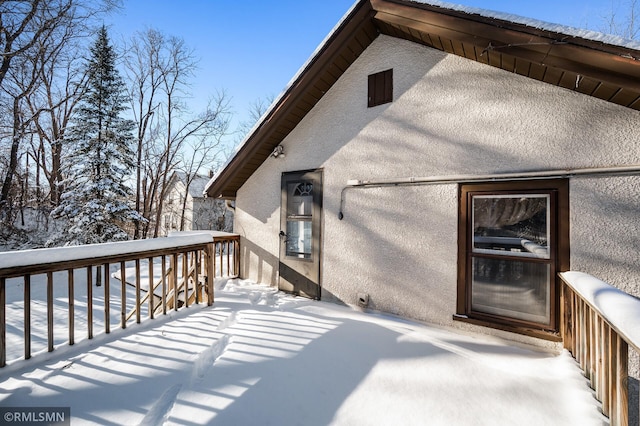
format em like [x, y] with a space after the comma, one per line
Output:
[380, 88]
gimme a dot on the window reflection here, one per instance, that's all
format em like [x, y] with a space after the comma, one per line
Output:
[517, 225]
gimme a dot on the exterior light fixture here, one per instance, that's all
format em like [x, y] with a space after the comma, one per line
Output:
[278, 152]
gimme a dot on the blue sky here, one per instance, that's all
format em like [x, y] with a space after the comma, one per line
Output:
[252, 48]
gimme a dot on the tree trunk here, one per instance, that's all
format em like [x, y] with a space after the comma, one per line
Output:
[13, 156]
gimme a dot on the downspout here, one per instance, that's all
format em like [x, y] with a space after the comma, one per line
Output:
[460, 179]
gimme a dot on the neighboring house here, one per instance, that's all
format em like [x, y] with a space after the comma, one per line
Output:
[444, 164]
[190, 210]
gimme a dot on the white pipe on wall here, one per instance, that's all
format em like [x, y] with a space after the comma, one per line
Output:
[441, 180]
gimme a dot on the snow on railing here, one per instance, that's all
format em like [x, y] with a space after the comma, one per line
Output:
[172, 272]
[599, 323]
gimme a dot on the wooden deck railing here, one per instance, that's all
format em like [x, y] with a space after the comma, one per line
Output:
[599, 324]
[180, 271]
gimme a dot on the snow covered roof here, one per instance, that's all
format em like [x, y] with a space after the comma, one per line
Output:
[588, 62]
[541, 25]
[197, 186]
[196, 189]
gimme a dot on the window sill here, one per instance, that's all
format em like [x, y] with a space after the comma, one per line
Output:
[531, 332]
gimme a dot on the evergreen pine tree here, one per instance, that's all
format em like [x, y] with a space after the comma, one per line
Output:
[96, 198]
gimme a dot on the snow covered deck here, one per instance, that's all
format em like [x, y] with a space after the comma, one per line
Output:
[261, 357]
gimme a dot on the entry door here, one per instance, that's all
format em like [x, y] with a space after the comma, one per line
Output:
[300, 221]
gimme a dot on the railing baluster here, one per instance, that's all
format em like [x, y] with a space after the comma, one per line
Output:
[27, 316]
[137, 262]
[622, 410]
[72, 305]
[171, 283]
[196, 281]
[589, 346]
[221, 244]
[174, 279]
[594, 350]
[3, 323]
[236, 257]
[185, 277]
[89, 302]
[567, 324]
[50, 311]
[597, 358]
[164, 285]
[123, 294]
[574, 316]
[613, 369]
[228, 244]
[583, 338]
[606, 389]
[210, 254]
[107, 297]
[213, 255]
[151, 281]
[578, 330]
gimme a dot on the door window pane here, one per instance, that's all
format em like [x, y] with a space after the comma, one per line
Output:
[299, 238]
[514, 225]
[513, 288]
[299, 219]
[300, 199]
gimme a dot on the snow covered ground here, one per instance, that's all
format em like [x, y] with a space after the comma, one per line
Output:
[260, 357]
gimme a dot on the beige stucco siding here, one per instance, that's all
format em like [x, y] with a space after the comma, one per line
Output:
[449, 116]
[605, 229]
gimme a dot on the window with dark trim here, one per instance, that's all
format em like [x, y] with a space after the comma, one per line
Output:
[380, 88]
[513, 240]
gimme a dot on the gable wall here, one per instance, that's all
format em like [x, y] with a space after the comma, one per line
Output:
[450, 116]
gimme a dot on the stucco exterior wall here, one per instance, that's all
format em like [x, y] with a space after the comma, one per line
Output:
[449, 116]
